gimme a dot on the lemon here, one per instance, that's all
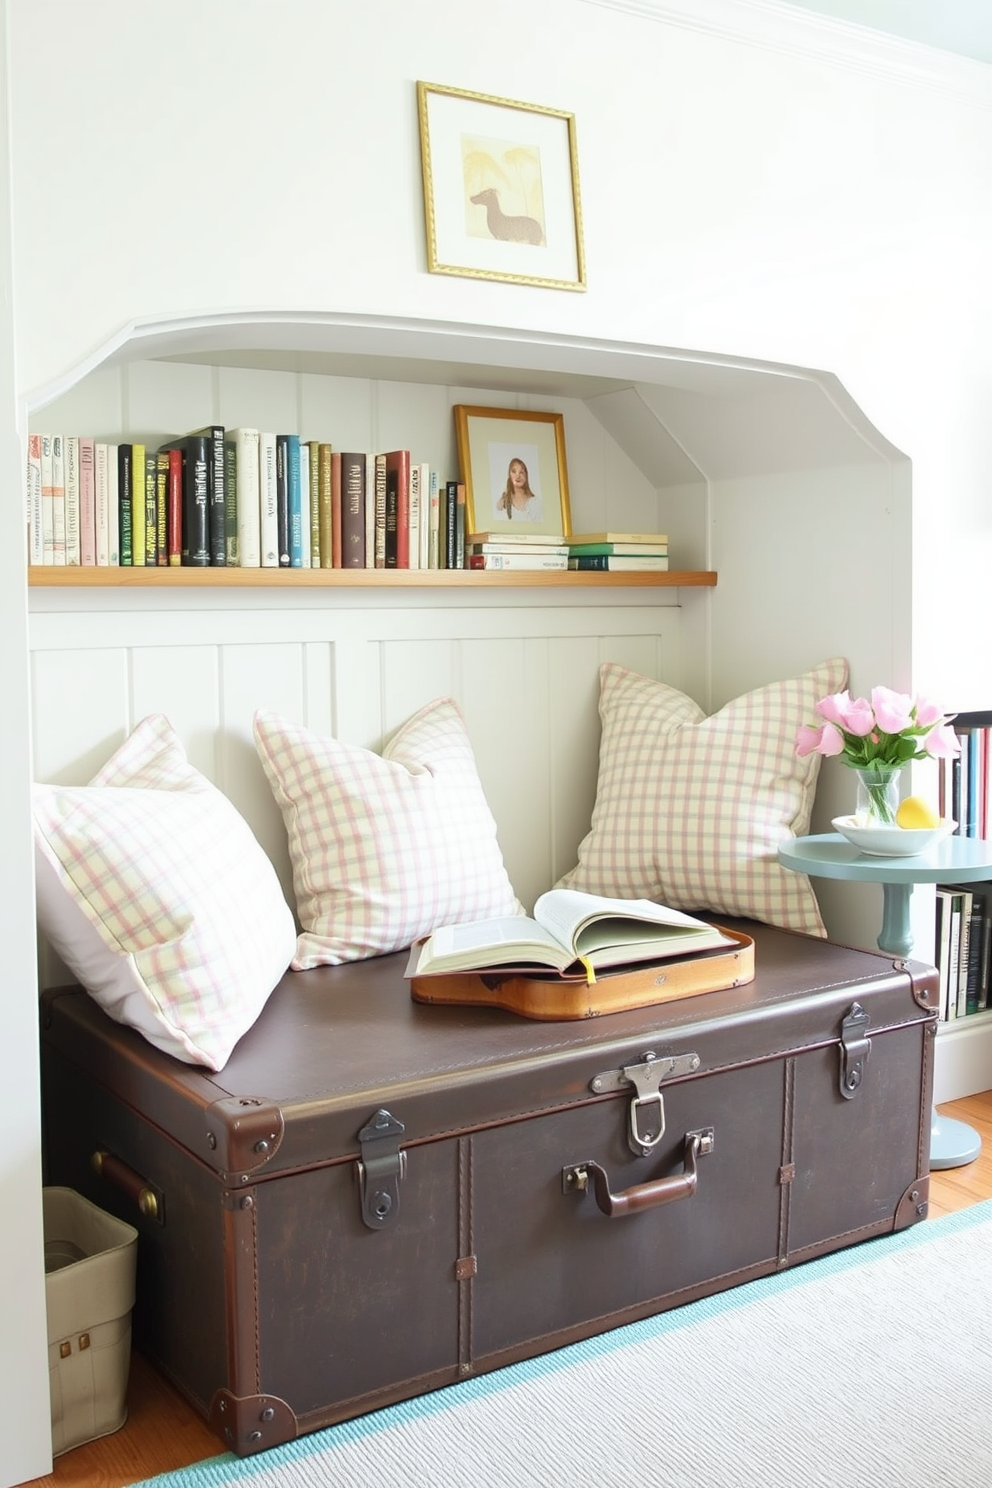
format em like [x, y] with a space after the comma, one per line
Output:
[914, 813]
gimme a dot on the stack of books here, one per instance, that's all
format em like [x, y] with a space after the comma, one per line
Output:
[619, 552]
[516, 550]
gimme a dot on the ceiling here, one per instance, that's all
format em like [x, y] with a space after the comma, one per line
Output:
[962, 26]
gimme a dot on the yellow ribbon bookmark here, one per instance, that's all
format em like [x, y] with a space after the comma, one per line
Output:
[590, 972]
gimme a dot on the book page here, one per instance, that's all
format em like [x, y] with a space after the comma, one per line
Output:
[566, 912]
[480, 943]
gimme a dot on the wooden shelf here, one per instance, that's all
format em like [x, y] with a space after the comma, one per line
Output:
[352, 578]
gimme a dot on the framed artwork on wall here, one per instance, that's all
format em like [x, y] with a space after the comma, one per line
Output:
[513, 467]
[501, 189]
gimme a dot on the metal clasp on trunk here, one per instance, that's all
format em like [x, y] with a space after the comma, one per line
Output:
[380, 1168]
[855, 1047]
[647, 1107]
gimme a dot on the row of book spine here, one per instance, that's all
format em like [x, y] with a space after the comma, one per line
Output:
[965, 783]
[963, 949]
[240, 498]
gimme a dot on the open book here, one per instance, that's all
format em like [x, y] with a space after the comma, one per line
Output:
[570, 932]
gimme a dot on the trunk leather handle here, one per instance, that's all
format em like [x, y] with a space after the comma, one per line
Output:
[642, 1195]
[149, 1199]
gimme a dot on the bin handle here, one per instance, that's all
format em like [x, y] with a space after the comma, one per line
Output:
[642, 1195]
[149, 1199]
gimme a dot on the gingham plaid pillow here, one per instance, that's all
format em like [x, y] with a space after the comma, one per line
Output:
[158, 898]
[384, 849]
[690, 810]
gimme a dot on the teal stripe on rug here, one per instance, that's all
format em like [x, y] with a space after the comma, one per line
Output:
[867, 1366]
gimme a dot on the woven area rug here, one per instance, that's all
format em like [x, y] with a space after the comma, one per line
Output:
[869, 1367]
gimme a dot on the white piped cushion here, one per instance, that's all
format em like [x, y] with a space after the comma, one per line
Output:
[157, 896]
[690, 810]
[384, 848]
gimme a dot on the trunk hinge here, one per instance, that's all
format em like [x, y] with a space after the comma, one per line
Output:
[380, 1168]
[855, 1046]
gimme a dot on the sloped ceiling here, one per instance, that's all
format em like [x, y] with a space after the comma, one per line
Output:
[961, 26]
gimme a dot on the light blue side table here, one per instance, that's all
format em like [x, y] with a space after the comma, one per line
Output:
[955, 860]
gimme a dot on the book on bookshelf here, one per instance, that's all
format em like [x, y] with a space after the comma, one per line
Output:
[113, 509]
[58, 500]
[423, 516]
[569, 931]
[268, 499]
[448, 535]
[197, 462]
[605, 563]
[617, 549]
[517, 562]
[506, 538]
[138, 509]
[379, 524]
[337, 559]
[87, 502]
[216, 500]
[282, 497]
[36, 544]
[243, 468]
[460, 519]
[660, 539]
[47, 502]
[72, 543]
[964, 944]
[325, 506]
[101, 502]
[547, 549]
[306, 527]
[353, 509]
[397, 553]
[371, 475]
[151, 508]
[942, 937]
[313, 466]
[125, 476]
[294, 501]
[413, 518]
[434, 519]
[162, 508]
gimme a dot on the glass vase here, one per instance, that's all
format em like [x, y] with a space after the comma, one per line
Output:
[878, 795]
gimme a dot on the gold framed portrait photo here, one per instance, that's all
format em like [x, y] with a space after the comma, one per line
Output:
[513, 467]
[501, 189]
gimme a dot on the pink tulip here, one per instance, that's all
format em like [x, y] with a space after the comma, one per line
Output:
[942, 742]
[834, 708]
[927, 713]
[808, 741]
[859, 719]
[831, 740]
[893, 710]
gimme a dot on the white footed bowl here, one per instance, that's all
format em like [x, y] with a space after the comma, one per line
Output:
[892, 842]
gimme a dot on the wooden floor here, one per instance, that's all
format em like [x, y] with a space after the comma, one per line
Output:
[162, 1432]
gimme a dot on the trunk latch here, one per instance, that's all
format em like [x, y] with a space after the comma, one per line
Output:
[647, 1107]
[855, 1046]
[380, 1168]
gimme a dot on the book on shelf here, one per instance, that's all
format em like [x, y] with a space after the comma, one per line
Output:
[434, 520]
[605, 563]
[379, 511]
[72, 543]
[546, 549]
[517, 562]
[397, 551]
[36, 545]
[138, 509]
[294, 500]
[125, 476]
[506, 538]
[660, 539]
[325, 518]
[569, 932]
[101, 502]
[216, 500]
[173, 506]
[47, 502]
[942, 939]
[306, 530]
[336, 549]
[151, 508]
[87, 502]
[371, 476]
[268, 500]
[964, 944]
[352, 509]
[113, 509]
[413, 518]
[424, 519]
[282, 498]
[617, 549]
[243, 470]
[460, 520]
[58, 500]
[313, 465]
[197, 463]
[162, 458]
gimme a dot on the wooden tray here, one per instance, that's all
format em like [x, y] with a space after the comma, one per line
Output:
[553, 998]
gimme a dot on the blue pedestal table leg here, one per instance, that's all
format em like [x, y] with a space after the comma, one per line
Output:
[952, 1143]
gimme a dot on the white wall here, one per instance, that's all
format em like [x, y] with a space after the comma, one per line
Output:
[748, 187]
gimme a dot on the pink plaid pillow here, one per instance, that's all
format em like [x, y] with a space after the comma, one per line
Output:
[158, 898]
[384, 849]
[690, 810]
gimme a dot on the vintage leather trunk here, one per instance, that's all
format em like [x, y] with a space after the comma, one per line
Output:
[378, 1197]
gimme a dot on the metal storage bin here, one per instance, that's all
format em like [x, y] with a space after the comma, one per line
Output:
[90, 1262]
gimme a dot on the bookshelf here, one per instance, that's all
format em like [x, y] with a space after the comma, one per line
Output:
[355, 578]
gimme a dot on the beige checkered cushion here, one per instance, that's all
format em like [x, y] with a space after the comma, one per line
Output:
[384, 849]
[158, 898]
[690, 810]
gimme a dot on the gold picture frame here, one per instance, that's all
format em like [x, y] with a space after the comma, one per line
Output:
[492, 442]
[501, 189]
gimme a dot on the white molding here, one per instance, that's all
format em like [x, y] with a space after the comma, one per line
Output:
[779, 27]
